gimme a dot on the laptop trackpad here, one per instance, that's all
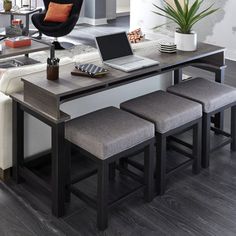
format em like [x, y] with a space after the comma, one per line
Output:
[126, 61]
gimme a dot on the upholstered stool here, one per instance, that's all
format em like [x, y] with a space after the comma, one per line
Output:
[105, 136]
[214, 97]
[171, 115]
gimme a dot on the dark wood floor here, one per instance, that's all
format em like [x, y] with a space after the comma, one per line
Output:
[203, 204]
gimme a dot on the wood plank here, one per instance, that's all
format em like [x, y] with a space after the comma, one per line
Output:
[68, 84]
[42, 100]
[35, 47]
[63, 116]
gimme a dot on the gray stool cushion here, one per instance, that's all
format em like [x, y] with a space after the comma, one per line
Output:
[108, 131]
[211, 95]
[165, 110]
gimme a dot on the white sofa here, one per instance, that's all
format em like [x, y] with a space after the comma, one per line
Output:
[37, 134]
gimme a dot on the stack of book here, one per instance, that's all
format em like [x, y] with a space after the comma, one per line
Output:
[17, 42]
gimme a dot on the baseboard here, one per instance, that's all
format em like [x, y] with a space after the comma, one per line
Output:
[231, 55]
[125, 13]
[91, 21]
[5, 174]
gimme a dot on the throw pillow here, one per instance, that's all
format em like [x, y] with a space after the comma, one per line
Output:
[58, 12]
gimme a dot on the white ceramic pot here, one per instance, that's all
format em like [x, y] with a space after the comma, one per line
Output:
[186, 42]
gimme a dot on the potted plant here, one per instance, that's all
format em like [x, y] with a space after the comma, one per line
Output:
[185, 15]
[7, 5]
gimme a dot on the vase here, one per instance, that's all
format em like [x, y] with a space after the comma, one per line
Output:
[186, 42]
[7, 6]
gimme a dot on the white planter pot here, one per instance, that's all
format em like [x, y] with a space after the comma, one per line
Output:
[186, 42]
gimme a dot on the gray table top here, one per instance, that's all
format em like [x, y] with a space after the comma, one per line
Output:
[20, 12]
[35, 47]
[68, 84]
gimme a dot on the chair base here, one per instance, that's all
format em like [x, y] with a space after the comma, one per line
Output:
[62, 45]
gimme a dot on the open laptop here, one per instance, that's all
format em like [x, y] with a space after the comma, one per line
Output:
[116, 51]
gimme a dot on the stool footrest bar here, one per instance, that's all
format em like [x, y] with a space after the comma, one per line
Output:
[83, 176]
[26, 173]
[226, 142]
[179, 167]
[130, 174]
[181, 151]
[91, 202]
[179, 141]
[125, 196]
[219, 131]
[135, 164]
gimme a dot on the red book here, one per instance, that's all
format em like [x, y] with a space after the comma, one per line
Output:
[16, 22]
[18, 42]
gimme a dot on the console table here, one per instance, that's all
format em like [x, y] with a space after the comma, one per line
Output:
[42, 99]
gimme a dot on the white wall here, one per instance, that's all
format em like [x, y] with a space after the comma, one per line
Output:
[122, 3]
[114, 97]
[111, 9]
[218, 29]
[141, 15]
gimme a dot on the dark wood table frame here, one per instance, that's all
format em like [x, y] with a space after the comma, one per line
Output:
[42, 100]
[26, 14]
[36, 46]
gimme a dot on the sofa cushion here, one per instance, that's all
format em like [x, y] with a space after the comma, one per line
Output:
[210, 94]
[108, 131]
[165, 110]
[10, 81]
[5, 131]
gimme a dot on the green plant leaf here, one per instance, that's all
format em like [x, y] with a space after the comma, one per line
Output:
[193, 9]
[186, 5]
[207, 11]
[179, 7]
[184, 16]
[203, 16]
[169, 11]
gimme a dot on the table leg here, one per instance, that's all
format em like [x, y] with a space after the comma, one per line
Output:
[11, 18]
[18, 139]
[219, 117]
[58, 173]
[27, 25]
[40, 33]
[178, 76]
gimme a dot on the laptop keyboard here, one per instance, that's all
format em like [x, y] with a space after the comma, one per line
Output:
[127, 61]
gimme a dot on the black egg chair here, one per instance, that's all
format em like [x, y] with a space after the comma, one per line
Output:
[57, 29]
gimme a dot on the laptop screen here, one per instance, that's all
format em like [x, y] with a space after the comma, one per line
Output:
[114, 46]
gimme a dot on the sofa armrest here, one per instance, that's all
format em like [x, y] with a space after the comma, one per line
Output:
[10, 81]
[5, 131]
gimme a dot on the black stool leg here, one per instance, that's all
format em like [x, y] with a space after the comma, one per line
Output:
[123, 162]
[67, 170]
[206, 128]
[18, 140]
[160, 163]
[112, 170]
[233, 128]
[102, 195]
[197, 136]
[148, 172]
